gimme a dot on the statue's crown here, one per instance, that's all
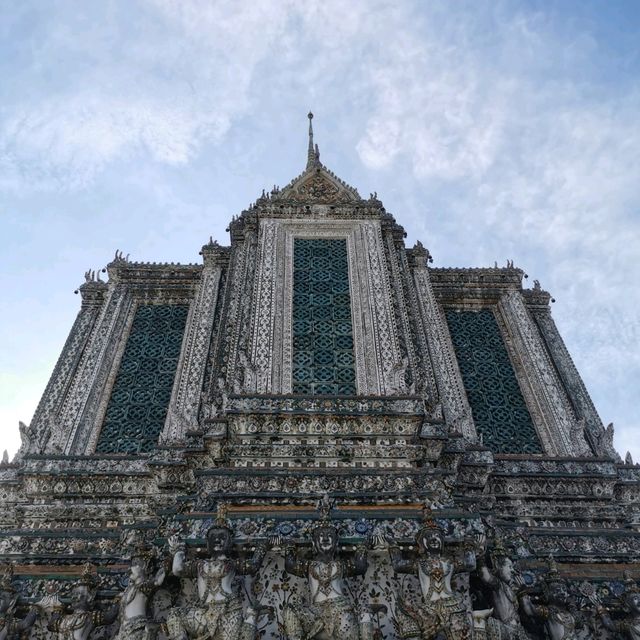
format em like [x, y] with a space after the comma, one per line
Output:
[429, 525]
[630, 585]
[137, 545]
[145, 551]
[324, 521]
[6, 578]
[221, 516]
[88, 576]
[499, 550]
[553, 574]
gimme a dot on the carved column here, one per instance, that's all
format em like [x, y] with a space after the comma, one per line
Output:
[230, 354]
[390, 365]
[423, 380]
[455, 406]
[45, 432]
[186, 396]
[265, 295]
[556, 423]
[573, 384]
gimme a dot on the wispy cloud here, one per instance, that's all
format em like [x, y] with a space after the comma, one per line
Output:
[159, 89]
[534, 154]
[513, 126]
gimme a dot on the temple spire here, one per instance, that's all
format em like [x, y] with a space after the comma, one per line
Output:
[313, 153]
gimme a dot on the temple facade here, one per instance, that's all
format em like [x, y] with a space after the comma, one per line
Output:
[312, 433]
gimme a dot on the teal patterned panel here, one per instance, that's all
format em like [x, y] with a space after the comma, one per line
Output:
[138, 405]
[498, 408]
[323, 362]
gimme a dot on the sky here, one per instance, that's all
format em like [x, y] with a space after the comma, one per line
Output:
[493, 131]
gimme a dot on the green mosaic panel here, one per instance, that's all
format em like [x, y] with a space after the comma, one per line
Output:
[323, 362]
[498, 408]
[138, 405]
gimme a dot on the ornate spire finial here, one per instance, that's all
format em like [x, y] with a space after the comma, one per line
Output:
[313, 153]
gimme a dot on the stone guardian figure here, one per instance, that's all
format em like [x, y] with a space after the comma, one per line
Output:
[11, 628]
[329, 613]
[217, 615]
[504, 584]
[629, 627]
[80, 619]
[442, 612]
[135, 600]
[559, 621]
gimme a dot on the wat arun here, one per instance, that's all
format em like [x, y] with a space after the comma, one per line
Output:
[312, 433]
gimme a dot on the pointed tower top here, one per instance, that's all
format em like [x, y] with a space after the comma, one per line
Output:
[313, 153]
[316, 183]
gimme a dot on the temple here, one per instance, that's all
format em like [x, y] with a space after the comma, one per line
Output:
[313, 433]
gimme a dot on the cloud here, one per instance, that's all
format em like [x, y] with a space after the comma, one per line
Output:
[511, 126]
[140, 96]
[532, 156]
[74, 137]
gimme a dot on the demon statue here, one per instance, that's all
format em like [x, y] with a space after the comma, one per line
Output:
[442, 611]
[504, 584]
[560, 622]
[329, 612]
[135, 601]
[10, 626]
[218, 613]
[629, 627]
[81, 618]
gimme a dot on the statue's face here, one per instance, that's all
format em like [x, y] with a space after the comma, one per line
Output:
[138, 570]
[505, 569]
[431, 542]
[325, 539]
[80, 597]
[218, 540]
[633, 602]
[558, 593]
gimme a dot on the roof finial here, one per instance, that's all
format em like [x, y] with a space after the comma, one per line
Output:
[313, 153]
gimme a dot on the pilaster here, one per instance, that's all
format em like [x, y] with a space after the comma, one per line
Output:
[422, 375]
[185, 401]
[391, 363]
[72, 414]
[552, 413]
[232, 347]
[455, 406]
[264, 317]
[578, 395]
[46, 432]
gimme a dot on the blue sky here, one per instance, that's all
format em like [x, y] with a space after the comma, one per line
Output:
[492, 131]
